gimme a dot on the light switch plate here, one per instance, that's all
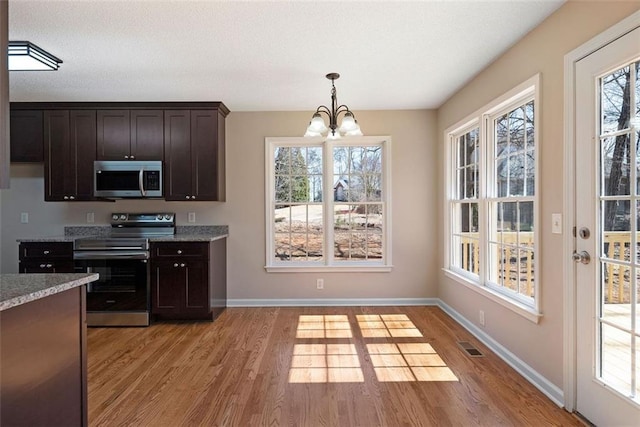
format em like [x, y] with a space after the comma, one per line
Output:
[192, 217]
[90, 217]
[556, 223]
[24, 217]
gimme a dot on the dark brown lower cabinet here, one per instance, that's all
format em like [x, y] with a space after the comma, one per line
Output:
[43, 360]
[188, 280]
[45, 257]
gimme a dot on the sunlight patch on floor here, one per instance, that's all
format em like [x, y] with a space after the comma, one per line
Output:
[391, 361]
[321, 363]
[386, 325]
[323, 326]
[408, 362]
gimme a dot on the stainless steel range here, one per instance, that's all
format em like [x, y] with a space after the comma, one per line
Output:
[120, 297]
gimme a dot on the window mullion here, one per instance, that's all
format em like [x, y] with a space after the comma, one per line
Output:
[483, 208]
[327, 205]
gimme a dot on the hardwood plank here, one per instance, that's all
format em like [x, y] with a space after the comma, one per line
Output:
[240, 371]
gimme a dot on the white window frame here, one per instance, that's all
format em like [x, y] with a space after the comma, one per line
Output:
[327, 263]
[483, 117]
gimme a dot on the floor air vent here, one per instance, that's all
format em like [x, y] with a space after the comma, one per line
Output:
[470, 349]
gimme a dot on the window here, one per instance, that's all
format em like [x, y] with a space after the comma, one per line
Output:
[491, 211]
[327, 203]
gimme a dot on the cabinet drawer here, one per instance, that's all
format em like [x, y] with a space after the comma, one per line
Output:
[43, 266]
[179, 250]
[46, 250]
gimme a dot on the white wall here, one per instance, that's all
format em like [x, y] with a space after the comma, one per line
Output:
[541, 51]
[414, 183]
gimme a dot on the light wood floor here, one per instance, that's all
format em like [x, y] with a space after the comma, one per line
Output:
[329, 366]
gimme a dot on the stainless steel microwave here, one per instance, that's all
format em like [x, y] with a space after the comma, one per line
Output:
[128, 178]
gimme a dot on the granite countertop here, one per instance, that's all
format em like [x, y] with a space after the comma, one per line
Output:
[184, 233]
[206, 237]
[18, 289]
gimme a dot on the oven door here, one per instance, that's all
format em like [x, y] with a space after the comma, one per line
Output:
[123, 285]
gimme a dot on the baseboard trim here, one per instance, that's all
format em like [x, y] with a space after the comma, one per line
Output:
[540, 382]
[340, 302]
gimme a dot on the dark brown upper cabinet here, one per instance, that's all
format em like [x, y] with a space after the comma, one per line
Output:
[194, 155]
[130, 134]
[188, 136]
[27, 139]
[70, 149]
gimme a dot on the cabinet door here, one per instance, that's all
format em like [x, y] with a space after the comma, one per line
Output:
[113, 135]
[177, 155]
[147, 135]
[83, 143]
[58, 176]
[204, 154]
[167, 288]
[197, 289]
[27, 142]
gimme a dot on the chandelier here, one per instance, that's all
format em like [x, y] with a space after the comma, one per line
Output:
[349, 125]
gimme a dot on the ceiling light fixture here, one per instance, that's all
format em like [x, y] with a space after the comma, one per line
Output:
[26, 56]
[349, 125]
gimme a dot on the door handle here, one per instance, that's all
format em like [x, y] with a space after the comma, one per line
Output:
[582, 257]
[141, 182]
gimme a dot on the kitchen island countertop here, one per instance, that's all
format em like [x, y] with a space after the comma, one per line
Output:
[18, 289]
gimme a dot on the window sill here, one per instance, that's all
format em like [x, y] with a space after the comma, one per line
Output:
[521, 309]
[329, 269]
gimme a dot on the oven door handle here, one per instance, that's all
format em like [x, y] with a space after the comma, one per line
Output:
[111, 255]
[141, 183]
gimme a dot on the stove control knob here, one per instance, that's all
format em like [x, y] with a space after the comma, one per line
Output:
[123, 217]
[114, 217]
[159, 217]
[167, 217]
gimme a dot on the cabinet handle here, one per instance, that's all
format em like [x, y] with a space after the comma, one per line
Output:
[126, 157]
[49, 265]
[132, 157]
[193, 197]
[46, 252]
[66, 197]
[179, 251]
[181, 265]
[43, 265]
[187, 197]
[72, 197]
[175, 265]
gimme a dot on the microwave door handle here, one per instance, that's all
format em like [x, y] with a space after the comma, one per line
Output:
[141, 182]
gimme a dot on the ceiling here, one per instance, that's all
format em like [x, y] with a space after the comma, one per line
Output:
[266, 55]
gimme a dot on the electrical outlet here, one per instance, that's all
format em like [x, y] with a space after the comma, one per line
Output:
[320, 284]
[24, 217]
[90, 217]
[192, 217]
[482, 317]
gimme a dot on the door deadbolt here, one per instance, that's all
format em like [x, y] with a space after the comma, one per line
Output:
[582, 257]
[584, 233]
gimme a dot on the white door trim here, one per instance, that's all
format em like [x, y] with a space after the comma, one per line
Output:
[569, 205]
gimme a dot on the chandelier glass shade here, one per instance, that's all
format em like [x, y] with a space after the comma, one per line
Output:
[26, 56]
[349, 125]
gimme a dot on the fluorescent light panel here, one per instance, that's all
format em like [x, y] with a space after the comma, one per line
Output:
[25, 56]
